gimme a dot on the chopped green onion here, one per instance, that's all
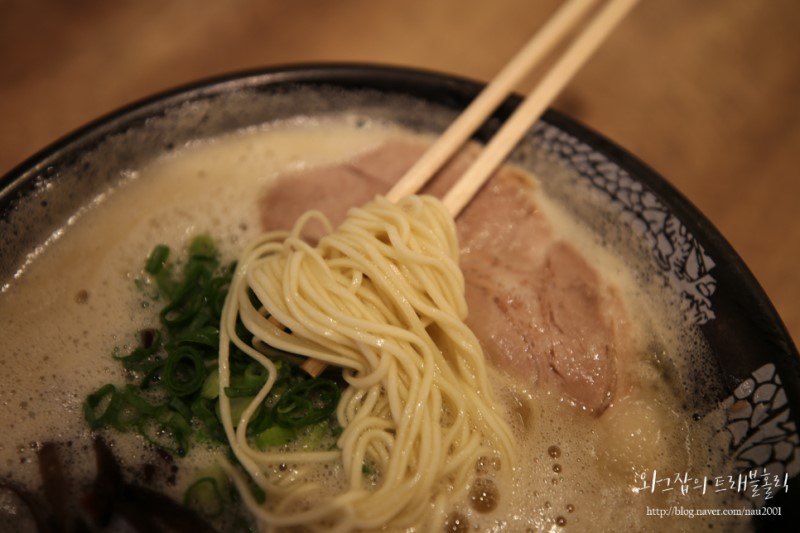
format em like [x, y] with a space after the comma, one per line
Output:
[172, 399]
[314, 435]
[238, 405]
[184, 371]
[157, 259]
[274, 436]
[204, 497]
[203, 246]
[142, 358]
[249, 383]
[132, 398]
[210, 389]
[306, 403]
[93, 401]
[204, 411]
[168, 430]
[204, 335]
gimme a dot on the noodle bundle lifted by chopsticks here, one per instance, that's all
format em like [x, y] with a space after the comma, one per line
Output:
[382, 297]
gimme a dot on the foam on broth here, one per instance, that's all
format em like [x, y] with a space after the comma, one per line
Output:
[75, 303]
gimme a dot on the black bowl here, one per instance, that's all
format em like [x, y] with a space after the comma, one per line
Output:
[757, 362]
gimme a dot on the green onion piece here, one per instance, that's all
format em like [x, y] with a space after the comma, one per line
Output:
[181, 407]
[238, 405]
[204, 336]
[204, 497]
[249, 382]
[95, 419]
[203, 246]
[142, 359]
[255, 374]
[217, 292]
[306, 403]
[132, 398]
[260, 421]
[188, 297]
[183, 309]
[153, 376]
[132, 409]
[184, 371]
[166, 285]
[124, 408]
[157, 259]
[168, 430]
[314, 435]
[274, 436]
[203, 410]
[210, 389]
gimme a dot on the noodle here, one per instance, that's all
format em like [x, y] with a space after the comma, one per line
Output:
[382, 297]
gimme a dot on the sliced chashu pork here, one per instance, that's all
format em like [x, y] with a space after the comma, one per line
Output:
[541, 312]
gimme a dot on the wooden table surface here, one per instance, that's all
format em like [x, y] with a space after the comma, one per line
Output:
[704, 91]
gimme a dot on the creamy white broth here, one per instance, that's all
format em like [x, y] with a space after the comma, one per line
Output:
[76, 303]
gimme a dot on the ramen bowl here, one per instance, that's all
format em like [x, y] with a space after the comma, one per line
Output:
[751, 377]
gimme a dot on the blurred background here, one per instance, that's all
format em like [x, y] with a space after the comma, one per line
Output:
[705, 92]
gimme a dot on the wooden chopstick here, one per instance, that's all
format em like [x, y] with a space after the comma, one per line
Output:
[520, 121]
[523, 62]
[535, 104]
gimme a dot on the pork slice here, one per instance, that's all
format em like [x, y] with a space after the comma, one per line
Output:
[502, 222]
[555, 324]
[392, 160]
[541, 312]
[331, 190]
[578, 336]
[334, 189]
[502, 239]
